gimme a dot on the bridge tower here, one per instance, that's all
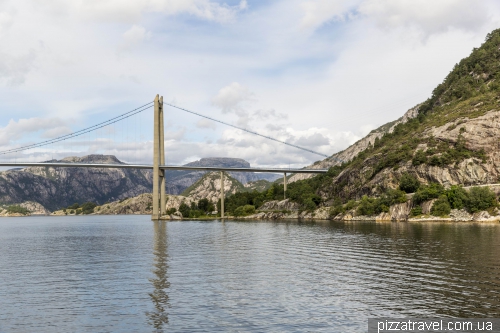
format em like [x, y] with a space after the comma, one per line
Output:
[159, 198]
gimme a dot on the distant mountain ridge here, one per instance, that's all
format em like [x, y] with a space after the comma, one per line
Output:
[56, 187]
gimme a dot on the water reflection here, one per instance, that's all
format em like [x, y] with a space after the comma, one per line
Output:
[159, 296]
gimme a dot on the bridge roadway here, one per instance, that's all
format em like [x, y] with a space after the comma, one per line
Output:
[150, 166]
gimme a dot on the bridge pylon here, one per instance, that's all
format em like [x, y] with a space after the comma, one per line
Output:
[159, 197]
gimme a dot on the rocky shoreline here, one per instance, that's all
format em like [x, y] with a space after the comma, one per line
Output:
[272, 210]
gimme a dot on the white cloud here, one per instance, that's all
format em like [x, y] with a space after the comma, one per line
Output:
[15, 68]
[132, 11]
[134, 36]
[323, 84]
[318, 12]
[234, 99]
[428, 15]
[206, 123]
[18, 129]
[231, 97]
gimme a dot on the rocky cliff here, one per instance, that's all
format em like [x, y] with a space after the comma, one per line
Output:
[451, 138]
[55, 187]
[209, 186]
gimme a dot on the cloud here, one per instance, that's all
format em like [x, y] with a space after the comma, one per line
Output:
[177, 135]
[269, 114]
[23, 127]
[14, 69]
[205, 123]
[428, 15]
[131, 11]
[56, 132]
[313, 140]
[319, 12]
[6, 20]
[233, 99]
[134, 36]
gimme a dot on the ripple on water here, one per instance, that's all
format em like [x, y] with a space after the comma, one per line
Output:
[126, 273]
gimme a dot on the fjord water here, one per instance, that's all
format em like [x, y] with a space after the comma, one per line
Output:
[129, 274]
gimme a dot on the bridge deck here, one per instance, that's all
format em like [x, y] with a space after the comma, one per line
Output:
[165, 167]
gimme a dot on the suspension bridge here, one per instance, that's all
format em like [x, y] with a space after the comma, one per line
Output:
[94, 135]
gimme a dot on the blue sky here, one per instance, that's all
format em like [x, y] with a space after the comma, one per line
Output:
[321, 73]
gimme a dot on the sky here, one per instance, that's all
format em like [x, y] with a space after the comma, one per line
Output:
[320, 74]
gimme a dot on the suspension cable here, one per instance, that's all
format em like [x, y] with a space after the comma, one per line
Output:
[83, 131]
[246, 130]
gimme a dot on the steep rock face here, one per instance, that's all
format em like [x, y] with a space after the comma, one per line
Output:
[209, 186]
[55, 187]
[174, 201]
[279, 205]
[480, 133]
[35, 208]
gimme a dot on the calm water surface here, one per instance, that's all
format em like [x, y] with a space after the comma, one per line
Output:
[128, 274]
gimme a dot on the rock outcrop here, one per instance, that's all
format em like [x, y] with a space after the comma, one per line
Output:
[209, 187]
[277, 205]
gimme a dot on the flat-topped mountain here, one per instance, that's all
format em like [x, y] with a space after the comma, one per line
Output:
[56, 187]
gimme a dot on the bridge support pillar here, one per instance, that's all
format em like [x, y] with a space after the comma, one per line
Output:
[163, 199]
[222, 194]
[159, 200]
[284, 185]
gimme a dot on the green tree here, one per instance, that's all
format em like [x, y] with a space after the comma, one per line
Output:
[416, 211]
[408, 183]
[431, 191]
[204, 204]
[184, 209]
[441, 206]
[457, 197]
[480, 198]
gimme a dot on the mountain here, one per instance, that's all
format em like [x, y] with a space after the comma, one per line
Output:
[451, 138]
[179, 180]
[55, 187]
[208, 186]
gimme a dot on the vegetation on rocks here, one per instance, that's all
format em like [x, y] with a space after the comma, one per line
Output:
[16, 209]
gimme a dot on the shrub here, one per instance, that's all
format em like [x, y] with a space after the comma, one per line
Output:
[416, 211]
[88, 207]
[74, 206]
[309, 204]
[366, 206]
[419, 158]
[457, 197]
[431, 191]
[17, 209]
[337, 208]
[441, 206]
[184, 210]
[244, 210]
[408, 183]
[170, 211]
[351, 204]
[480, 198]
[193, 213]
